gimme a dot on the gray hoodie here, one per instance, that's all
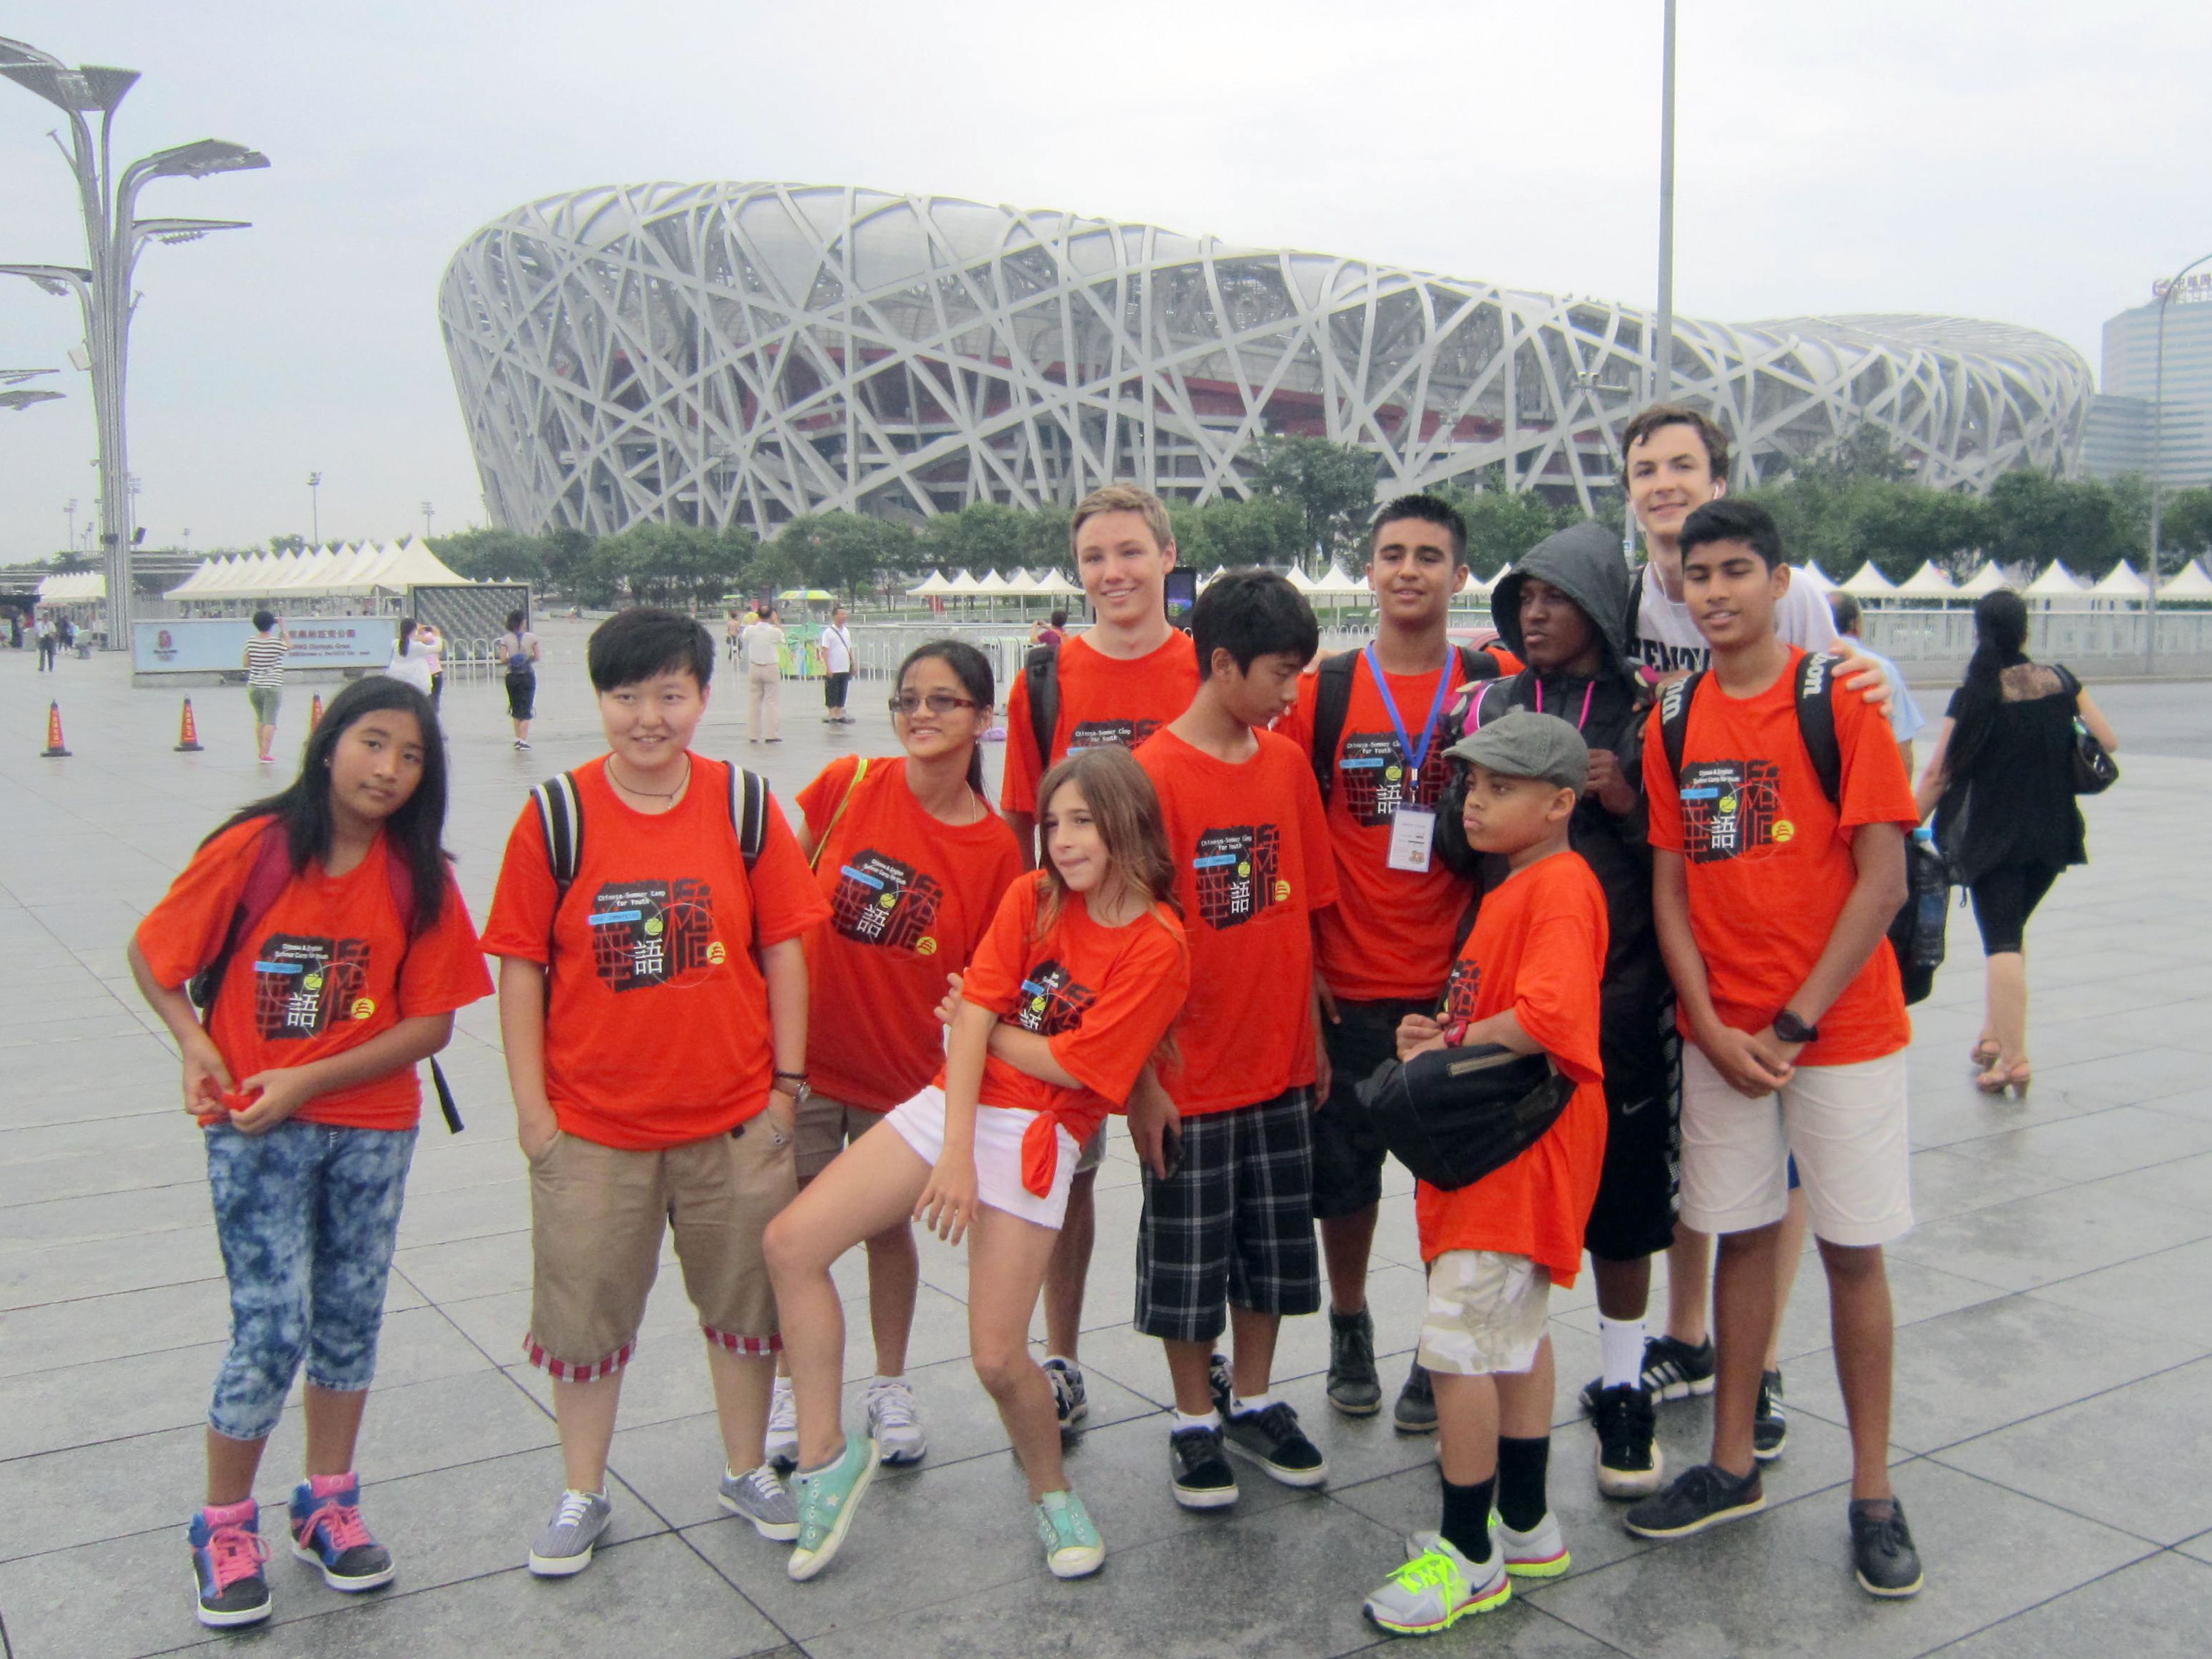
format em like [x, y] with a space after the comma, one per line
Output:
[1584, 562]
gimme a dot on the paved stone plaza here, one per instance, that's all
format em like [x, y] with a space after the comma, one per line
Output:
[2054, 1355]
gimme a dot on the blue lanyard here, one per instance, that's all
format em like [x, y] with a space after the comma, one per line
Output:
[1413, 756]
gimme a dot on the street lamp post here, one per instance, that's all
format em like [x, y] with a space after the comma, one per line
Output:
[2157, 463]
[315, 506]
[1663, 350]
[113, 241]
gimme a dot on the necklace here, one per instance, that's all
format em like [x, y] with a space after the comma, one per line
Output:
[651, 794]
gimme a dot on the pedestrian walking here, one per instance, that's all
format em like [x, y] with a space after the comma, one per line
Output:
[836, 667]
[50, 641]
[265, 681]
[520, 650]
[763, 648]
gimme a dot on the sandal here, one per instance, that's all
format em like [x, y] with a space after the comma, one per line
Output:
[1996, 1079]
[1986, 1053]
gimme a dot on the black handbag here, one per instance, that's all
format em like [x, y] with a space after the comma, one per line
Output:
[2094, 769]
[1453, 1115]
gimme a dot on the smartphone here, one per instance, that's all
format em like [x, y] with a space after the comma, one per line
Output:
[1171, 1149]
[1182, 595]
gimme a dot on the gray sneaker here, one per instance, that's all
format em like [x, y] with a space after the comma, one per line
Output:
[758, 1497]
[565, 1545]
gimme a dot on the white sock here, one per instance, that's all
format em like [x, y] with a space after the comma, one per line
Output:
[1622, 1342]
[783, 1385]
[1205, 1419]
[1240, 1406]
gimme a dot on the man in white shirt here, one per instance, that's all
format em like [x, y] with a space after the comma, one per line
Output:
[836, 668]
[764, 647]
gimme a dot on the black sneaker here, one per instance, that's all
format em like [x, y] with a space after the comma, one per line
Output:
[1881, 1549]
[1069, 1398]
[1675, 1371]
[1199, 1469]
[1354, 1387]
[1629, 1460]
[1770, 1424]
[1272, 1439]
[1416, 1410]
[1700, 1498]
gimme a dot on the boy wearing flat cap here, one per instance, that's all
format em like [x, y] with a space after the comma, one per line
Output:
[1526, 980]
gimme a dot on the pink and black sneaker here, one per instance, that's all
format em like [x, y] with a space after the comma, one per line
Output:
[328, 1532]
[227, 1557]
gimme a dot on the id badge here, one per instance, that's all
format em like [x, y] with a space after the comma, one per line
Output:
[1413, 833]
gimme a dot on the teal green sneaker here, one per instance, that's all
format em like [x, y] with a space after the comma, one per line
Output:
[1073, 1547]
[827, 1499]
[1437, 1588]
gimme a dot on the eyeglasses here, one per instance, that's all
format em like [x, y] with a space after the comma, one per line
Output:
[937, 703]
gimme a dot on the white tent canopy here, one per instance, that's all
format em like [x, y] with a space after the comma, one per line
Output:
[325, 572]
[1021, 582]
[1987, 580]
[1300, 580]
[1813, 573]
[72, 587]
[1337, 585]
[2121, 582]
[933, 583]
[992, 582]
[1056, 584]
[964, 583]
[2057, 582]
[1927, 583]
[1868, 583]
[2189, 583]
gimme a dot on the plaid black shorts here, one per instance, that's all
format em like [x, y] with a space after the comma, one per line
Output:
[1233, 1223]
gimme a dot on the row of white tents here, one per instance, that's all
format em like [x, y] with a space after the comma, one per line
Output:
[349, 571]
[2055, 586]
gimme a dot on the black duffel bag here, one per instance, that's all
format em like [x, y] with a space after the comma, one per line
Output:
[1453, 1115]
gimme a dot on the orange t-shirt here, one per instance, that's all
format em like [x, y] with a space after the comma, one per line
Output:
[1103, 700]
[330, 967]
[1103, 997]
[1253, 863]
[909, 898]
[1768, 860]
[1390, 934]
[1538, 948]
[657, 1030]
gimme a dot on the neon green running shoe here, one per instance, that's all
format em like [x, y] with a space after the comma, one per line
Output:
[827, 1499]
[1073, 1547]
[1437, 1588]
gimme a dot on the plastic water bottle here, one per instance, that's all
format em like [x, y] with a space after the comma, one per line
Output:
[1929, 891]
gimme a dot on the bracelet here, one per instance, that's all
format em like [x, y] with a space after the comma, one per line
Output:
[796, 1076]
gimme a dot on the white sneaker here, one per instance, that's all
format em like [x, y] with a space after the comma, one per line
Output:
[895, 1422]
[782, 1445]
[1539, 1553]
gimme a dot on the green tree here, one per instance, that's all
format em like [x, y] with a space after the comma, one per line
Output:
[2035, 518]
[846, 552]
[1502, 524]
[2186, 526]
[981, 536]
[1332, 485]
[1264, 529]
[292, 543]
[486, 555]
[670, 563]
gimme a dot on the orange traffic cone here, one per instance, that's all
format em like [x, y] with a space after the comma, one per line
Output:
[315, 712]
[188, 739]
[55, 747]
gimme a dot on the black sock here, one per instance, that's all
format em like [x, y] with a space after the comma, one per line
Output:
[1521, 1466]
[1467, 1516]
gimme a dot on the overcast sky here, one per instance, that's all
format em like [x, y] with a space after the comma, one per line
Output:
[2021, 160]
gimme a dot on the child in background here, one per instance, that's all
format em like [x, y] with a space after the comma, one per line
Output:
[339, 948]
[1227, 1229]
[1526, 980]
[912, 863]
[1069, 995]
[654, 1011]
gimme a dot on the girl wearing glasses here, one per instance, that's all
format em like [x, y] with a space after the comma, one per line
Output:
[913, 861]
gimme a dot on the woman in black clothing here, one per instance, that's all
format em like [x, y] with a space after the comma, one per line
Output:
[2001, 783]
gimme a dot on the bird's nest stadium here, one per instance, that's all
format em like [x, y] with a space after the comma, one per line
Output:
[742, 354]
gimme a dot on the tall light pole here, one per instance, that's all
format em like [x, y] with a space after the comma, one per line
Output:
[315, 506]
[2158, 461]
[427, 511]
[113, 238]
[1663, 349]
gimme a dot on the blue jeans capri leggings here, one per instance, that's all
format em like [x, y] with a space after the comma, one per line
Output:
[307, 1215]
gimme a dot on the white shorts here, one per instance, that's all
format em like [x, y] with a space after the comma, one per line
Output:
[1845, 1125]
[999, 1130]
[1486, 1315]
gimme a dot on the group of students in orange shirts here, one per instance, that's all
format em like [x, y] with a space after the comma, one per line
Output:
[780, 1045]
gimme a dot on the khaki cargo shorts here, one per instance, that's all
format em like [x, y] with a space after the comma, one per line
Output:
[597, 1217]
[1486, 1313]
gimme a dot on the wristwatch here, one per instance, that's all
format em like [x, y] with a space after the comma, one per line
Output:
[1790, 1029]
[799, 1092]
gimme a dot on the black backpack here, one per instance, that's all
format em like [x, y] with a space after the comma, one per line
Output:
[1040, 674]
[560, 813]
[1916, 932]
[1333, 703]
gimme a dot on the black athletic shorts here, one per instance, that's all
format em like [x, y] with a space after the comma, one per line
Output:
[1639, 1186]
[521, 696]
[1234, 1223]
[1347, 1154]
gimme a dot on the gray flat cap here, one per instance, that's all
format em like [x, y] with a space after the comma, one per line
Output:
[1526, 744]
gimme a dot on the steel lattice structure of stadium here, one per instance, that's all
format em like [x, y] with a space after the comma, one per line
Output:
[741, 354]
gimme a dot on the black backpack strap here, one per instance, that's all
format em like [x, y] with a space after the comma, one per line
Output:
[561, 815]
[1040, 677]
[1332, 706]
[1816, 722]
[1674, 700]
[749, 813]
[1475, 664]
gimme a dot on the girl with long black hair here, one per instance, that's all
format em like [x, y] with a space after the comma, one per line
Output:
[2001, 783]
[322, 932]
